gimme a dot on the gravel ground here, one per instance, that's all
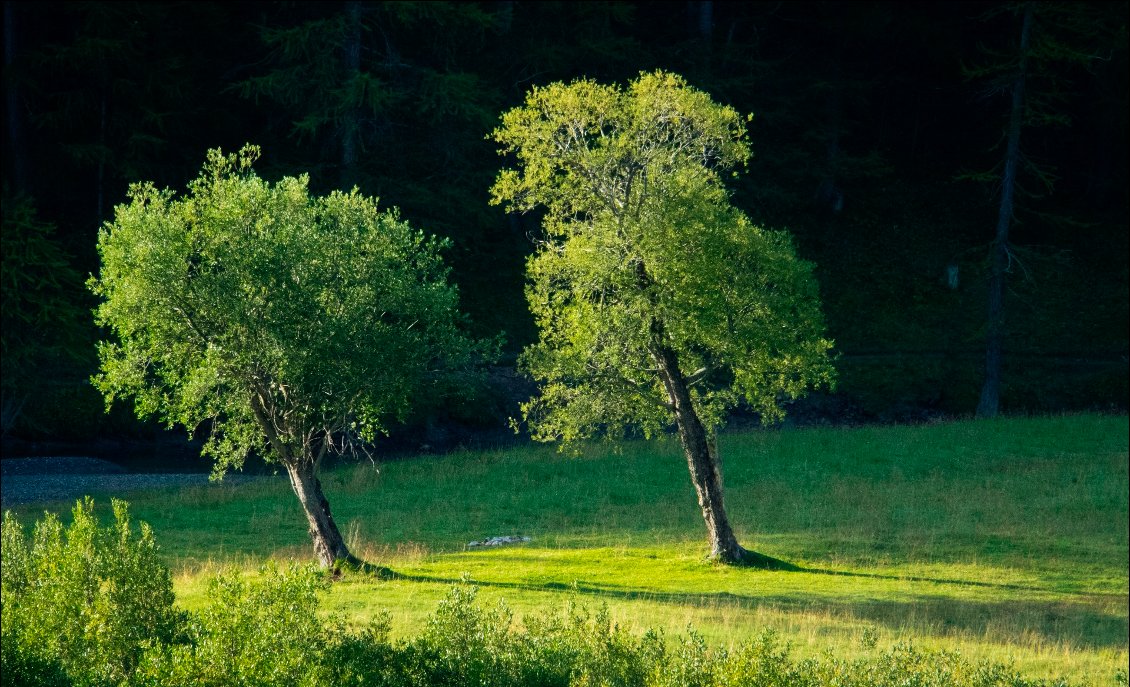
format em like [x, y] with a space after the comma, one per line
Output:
[44, 480]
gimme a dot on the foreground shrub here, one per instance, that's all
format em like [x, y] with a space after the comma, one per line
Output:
[464, 644]
[266, 631]
[260, 631]
[22, 665]
[82, 601]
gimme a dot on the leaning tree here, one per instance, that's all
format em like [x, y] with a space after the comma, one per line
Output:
[288, 325]
[658, 302]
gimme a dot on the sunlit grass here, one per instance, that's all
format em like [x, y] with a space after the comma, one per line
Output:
[1001, 539]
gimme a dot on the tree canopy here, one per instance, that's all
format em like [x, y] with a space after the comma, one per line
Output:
[288, 325]
[642, 249]
[657, 301]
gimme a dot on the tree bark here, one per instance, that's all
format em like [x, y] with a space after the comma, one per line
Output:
[102, 153]
[989, 404]
[351, 125]
[329, 546]
[706, 21]
[15, 144]
[705, 468]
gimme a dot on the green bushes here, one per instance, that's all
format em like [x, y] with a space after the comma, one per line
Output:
[83, 601]
[253, 632]
[90, 605]
[464, 644]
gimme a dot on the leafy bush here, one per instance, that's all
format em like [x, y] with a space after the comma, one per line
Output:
[591, 649]
[82, 601]
[465, 645]
[22, 665]
[267, 630]
[253, 632]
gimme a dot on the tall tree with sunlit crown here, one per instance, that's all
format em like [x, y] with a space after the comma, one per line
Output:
[658, 302]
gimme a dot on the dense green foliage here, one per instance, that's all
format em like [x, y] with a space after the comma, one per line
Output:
[644, 253]
[289, 324]
[83, 600]
[264, 631]
[267, 630]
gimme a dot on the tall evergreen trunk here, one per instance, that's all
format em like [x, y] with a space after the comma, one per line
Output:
[706, 21]
[101, 154]
[329, 546]
[829, 193]
[989, 405]
[504, 15]
[15, 146]
[700, 24]
[351, 126]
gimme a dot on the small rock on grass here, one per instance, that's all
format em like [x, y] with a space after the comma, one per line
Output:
[498, 541]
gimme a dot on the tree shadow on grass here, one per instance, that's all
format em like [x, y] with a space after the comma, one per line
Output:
[1004, 586]
[1024, 621]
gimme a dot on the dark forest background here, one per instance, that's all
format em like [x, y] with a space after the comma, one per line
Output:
[879, 135]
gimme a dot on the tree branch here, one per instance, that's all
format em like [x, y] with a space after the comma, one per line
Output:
[699, 375]
[268, 425]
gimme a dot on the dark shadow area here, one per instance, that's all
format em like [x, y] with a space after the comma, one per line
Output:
[759, 561]
[1053, 621]
[931, 580]
[362, 567]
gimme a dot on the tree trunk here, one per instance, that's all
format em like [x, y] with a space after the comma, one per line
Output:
[504, 15]
[829, 193]
[706, 470]
[15, 143]
[989, 404]
[329, 546]
[706, 21]
[701, 17]
[102, 154]
[351, 125]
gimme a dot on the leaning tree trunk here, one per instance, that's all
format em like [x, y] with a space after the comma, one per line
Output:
[705, 468]
[989, 404]
[329, 546]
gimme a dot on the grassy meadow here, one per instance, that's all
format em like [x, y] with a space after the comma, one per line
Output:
[1004, 540]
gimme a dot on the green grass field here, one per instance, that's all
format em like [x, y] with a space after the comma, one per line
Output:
[1004, 540]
